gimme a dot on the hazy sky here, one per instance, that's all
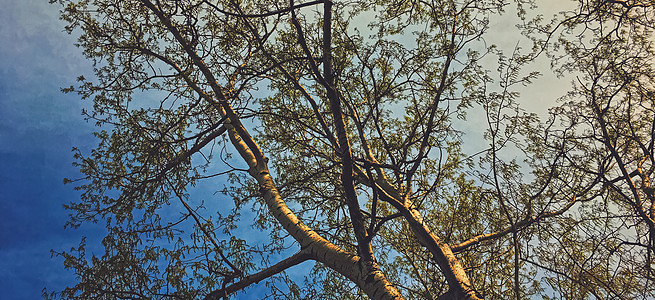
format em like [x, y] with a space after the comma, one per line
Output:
[38, 128]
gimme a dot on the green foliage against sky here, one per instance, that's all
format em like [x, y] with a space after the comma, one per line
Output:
[337, 135]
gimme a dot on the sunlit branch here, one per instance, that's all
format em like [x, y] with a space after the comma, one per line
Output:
[246, 281]
[212, 81]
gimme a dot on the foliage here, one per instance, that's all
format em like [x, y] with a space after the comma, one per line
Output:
[341, 136]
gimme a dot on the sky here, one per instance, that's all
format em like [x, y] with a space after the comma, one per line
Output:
[39, 126]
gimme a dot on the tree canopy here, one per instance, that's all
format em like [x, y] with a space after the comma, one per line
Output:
[385, 146]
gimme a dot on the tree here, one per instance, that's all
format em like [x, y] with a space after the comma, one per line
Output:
[339, 125]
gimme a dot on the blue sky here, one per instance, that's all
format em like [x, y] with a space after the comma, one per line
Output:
[38, 127]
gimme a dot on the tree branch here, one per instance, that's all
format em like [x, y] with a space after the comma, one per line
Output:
[266, 14]
[300, 257]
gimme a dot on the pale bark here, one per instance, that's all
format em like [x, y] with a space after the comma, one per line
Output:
[459, 285]
[366, 275]
[246, 281]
